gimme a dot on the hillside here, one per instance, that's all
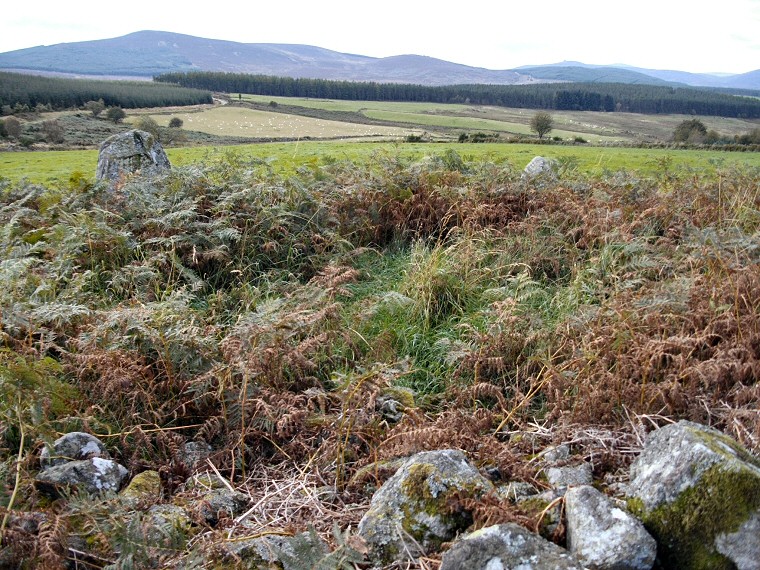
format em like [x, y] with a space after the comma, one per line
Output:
[148, 53]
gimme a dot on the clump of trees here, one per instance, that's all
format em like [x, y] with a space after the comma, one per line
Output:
[690, 131]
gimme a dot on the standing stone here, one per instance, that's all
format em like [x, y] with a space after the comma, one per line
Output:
[603, 536]
[413, 508]
[129, 153]
[698, 493]
[539, 166]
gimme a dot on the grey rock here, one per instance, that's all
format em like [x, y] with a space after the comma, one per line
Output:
[411, 512]
[507, 547]
[266, 551]
[92, 476]
[603, 536]
[194, 453]
[743, 546]
[549, 505]
[516, 490]
[73, 446]
[129, 153]
[569, 476]
[221, 501]
[556, 454]
[539, 166]
[698, 493]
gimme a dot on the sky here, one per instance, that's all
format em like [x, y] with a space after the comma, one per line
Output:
[658, 34]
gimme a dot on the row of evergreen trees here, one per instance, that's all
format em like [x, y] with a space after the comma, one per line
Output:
[650, 99]
[21, 91]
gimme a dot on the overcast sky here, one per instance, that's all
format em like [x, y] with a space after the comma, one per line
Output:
[686, 35]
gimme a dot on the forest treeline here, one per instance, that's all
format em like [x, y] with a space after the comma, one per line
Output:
[649, 99]
[21, 92]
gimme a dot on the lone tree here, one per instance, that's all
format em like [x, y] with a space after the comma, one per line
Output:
[115, 114]
[95, 107]
[541, 123]
[175, 123]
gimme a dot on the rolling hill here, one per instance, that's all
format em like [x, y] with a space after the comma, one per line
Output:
[147, 53]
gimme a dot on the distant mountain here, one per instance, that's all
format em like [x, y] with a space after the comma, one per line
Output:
[590, 74]
[150, 53]
[147, 53]
[621, 73]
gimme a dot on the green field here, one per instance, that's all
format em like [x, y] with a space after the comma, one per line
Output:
[252, 123]
[596, 127]
[41, 167]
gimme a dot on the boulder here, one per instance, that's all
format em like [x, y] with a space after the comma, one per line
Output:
[539, 166]
[73, 446]
[145, 486]
[507, 546]
[413, 509]
[129, 153]
[603, 536]
[92, 476]
[275, 551]
[698, 493]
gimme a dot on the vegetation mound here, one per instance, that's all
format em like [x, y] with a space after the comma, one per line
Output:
[315, 327]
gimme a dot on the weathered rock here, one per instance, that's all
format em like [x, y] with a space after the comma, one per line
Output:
[539, 166]
[167, 525]
[568, 476]
[128, 153]
[698, 493]
[413, 508]
[515, 491]
[266, 551]
[603, 536]
[92, 476]
[221, 502]
[546, 505]
[194, 453]
[73, 446]
[504, 547]
[143, 486]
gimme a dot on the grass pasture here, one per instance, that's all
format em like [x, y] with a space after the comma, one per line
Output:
[595, 127]
[243, 122]
[51, 166]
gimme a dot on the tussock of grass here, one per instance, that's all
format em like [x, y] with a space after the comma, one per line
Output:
[284, 320]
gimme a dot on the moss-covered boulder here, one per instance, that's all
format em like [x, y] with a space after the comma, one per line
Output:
[414, 508]
[698, 493]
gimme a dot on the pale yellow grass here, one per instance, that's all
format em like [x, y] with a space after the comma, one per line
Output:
[241, 122]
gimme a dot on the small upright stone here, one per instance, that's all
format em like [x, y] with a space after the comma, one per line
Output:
[129, 153]
[539, 166]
